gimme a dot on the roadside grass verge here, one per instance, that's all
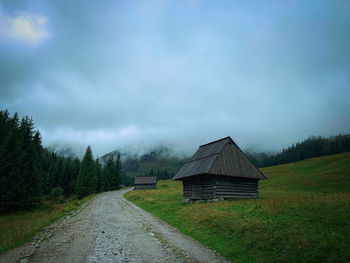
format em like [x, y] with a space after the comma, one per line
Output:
[302, 215]
[18, 228]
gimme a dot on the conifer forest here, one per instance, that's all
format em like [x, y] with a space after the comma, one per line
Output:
[30, 172]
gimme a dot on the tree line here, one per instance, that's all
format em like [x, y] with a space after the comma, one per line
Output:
[309, 148]
[162, 174]
[29, 172]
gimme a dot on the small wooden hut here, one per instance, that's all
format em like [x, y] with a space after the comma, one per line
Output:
[145, 182]
[219, 170]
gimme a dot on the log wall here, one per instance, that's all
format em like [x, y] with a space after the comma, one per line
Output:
[206, 187]
[198, 188]
[231, 187]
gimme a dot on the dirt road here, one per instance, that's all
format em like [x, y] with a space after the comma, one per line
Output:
[111, 229]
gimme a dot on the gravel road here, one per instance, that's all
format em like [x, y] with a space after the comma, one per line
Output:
[109, 228]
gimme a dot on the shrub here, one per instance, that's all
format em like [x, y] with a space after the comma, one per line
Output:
[56, 194]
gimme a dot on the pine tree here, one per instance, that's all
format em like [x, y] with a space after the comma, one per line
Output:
[86, 181]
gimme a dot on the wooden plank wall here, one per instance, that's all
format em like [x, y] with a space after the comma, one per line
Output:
[212, 187]
[198, 188]
[186, 189]
[229, 188]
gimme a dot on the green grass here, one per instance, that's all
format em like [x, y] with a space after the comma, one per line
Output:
[18, 228]
[302, 215]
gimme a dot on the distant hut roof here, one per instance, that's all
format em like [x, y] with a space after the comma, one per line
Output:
[145, 180]
[221, 157]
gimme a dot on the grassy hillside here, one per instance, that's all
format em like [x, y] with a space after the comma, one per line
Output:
[302, 215]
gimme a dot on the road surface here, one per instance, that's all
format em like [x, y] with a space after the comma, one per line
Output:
[109, 228]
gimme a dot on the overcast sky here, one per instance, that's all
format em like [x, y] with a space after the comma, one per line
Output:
[117, 74]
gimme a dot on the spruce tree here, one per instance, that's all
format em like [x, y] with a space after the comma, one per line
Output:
[38, 167]
[29, 187]
[86, 181]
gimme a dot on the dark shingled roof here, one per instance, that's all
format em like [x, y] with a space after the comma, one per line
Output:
[145, 180]
[221, 157]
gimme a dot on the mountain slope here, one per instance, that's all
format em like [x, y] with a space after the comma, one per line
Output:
[163, 159]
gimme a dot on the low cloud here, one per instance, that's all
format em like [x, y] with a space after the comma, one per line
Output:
[125, 75]
[26, 28]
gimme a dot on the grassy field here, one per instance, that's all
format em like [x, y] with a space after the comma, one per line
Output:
[302, 215]
[18, 228]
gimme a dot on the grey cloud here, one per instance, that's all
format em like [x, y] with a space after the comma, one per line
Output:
[123, 74]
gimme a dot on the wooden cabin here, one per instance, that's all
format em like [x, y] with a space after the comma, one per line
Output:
[219, 170]
[145, 182]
